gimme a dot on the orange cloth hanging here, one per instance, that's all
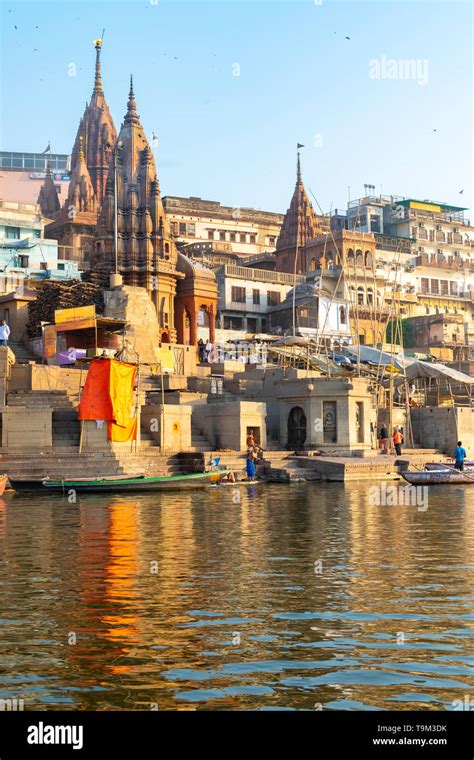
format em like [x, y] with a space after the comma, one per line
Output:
[121, 434]
[95, 401]
[122, 378]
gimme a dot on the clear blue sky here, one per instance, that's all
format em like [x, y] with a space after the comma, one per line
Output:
[232, 138]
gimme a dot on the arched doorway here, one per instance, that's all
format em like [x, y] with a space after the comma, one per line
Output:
[296, 428]
[203, 324]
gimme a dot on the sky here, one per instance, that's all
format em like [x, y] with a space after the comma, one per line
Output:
[230, 87]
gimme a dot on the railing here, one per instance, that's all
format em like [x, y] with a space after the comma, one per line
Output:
[262, 275]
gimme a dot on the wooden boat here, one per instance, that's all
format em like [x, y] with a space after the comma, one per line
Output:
[468, 465]
[448, 476]
[121, 483]
[3, 483]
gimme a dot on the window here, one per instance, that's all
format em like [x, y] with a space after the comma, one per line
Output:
[342, 315]
[360, 296]
[182, 228]
[312, 265]
[238, 294]
[435, 286]
[23, 261]
[222, 235]
[174, 228]
[256, 297]
[210, 234]
[253, 239]
[425, 285]
[273, 298]
[271, 241]
[359, 259]
[243, 237]
[13, 232]
[44, 266]
[368, 259]
[444, 287]
[191, 229]
[62, 266]
[232, 237]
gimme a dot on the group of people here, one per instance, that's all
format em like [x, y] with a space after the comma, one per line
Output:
[204, 350]
[384, 440]
[254, 453]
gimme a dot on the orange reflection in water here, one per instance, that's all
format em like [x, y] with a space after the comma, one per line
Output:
[122, 569]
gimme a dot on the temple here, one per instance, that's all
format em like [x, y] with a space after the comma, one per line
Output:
[74, 224]
[146, 252]
[299, 225]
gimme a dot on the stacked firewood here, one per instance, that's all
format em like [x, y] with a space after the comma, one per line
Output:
[62, 295]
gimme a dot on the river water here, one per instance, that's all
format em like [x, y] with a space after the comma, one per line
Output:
[302, 596]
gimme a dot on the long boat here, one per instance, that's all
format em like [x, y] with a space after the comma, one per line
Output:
[448, 476]
[468, 465]
[109, 484]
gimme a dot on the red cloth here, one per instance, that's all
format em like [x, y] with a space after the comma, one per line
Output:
[96, 403]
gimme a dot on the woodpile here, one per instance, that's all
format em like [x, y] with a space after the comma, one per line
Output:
[62, 295]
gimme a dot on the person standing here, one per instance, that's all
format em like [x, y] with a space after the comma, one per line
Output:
[207, 350]
[397, 440]
[384, 439]
[201, 350]
[459, 456]
[4, 333]
[250, 465]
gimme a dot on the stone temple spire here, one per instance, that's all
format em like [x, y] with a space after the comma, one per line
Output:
[98, 78]
[131, 117]
[98, 132]
[299, 225]
[48, 200]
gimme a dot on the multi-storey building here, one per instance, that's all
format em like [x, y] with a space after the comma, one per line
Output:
[208, 228]
[246, 295]
[23, 174]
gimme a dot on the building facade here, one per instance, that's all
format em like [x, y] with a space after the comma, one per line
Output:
[23, 174]
[207, 227]
[246, 295]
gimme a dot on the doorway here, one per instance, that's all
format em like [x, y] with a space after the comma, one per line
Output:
[296, 428]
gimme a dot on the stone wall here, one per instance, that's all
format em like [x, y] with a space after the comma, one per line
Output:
[176, 422]
[7, 361]
[225, 424]
[441, 427]
[26, 429]
[134, 305]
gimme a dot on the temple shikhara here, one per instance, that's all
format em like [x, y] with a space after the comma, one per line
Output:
[114, 195]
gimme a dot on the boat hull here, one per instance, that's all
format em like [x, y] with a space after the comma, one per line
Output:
[438, 477]
[106, 485]
[468, 466]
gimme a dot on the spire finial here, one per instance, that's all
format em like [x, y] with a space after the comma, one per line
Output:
[298, 162]
[81, 148]
[98, 79]
[131, 115]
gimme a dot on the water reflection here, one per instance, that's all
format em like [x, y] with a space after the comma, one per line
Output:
[258, 597]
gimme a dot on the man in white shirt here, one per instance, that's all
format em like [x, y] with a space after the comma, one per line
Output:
[4, 333]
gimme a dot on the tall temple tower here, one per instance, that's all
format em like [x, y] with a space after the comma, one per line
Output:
[48, 200]
[146, 252]
[75, 223]
[98, 133]
[299, 225]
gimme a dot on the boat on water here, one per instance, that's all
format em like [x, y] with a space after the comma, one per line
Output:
[468, 465]
[448, 476]
[124, 483]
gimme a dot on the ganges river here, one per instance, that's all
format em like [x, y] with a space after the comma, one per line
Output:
[267, 597]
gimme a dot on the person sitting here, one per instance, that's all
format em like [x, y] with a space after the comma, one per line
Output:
[459, 456]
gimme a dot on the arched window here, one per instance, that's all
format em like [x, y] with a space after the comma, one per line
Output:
[359, 258]
[312, 265]
[350, 257]
[370, 296]
[360, 296]
[342, 315]
[368, 259]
